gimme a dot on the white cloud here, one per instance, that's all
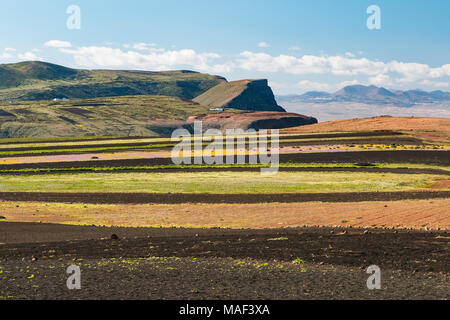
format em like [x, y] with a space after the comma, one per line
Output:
[306, 85]
[415, 71]
[148, 56]
[161, 59]
[436, 84]
[309, 64]
[144, 46]
[277, 85]
[380, 80]
[5, 56]
[378, 71]
[346, 83]
[29, 56]
[58, 44]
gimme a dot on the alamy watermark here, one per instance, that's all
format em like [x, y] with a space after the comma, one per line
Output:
[74, 20]
[74, 280]
[374, 281]
[374, 20]
[236, 146]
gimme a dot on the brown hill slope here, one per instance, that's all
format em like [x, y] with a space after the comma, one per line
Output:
[432, 129]
[255, 120]
[244, 95]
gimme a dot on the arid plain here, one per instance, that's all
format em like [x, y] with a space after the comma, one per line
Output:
[120, 209]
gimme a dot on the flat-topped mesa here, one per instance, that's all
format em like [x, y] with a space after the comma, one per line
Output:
[254, 95]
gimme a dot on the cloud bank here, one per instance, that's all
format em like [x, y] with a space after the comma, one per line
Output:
[151, 59]
[333, 70]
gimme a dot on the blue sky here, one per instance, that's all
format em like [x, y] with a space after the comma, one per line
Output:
[298, 45]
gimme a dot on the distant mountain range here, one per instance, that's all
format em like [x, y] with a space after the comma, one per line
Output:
[372, 95]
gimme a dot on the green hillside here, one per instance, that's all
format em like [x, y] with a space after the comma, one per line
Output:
[112, 116]
[45, 81]
[39, 99]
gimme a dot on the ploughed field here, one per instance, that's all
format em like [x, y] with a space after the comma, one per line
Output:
[431, 129]
[340, 202]
[297, 263]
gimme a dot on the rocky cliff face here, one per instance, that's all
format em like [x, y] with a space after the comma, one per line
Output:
[254, 95]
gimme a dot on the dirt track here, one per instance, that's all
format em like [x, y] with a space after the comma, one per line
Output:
[116, 198]
[221, 264]
[244, 169]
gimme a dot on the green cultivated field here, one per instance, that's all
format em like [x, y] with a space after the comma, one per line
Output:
[217, 182]
[228, 166]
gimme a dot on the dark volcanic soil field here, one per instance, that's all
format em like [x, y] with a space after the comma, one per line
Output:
[301, 263]
[173, 198]
[398, 156]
